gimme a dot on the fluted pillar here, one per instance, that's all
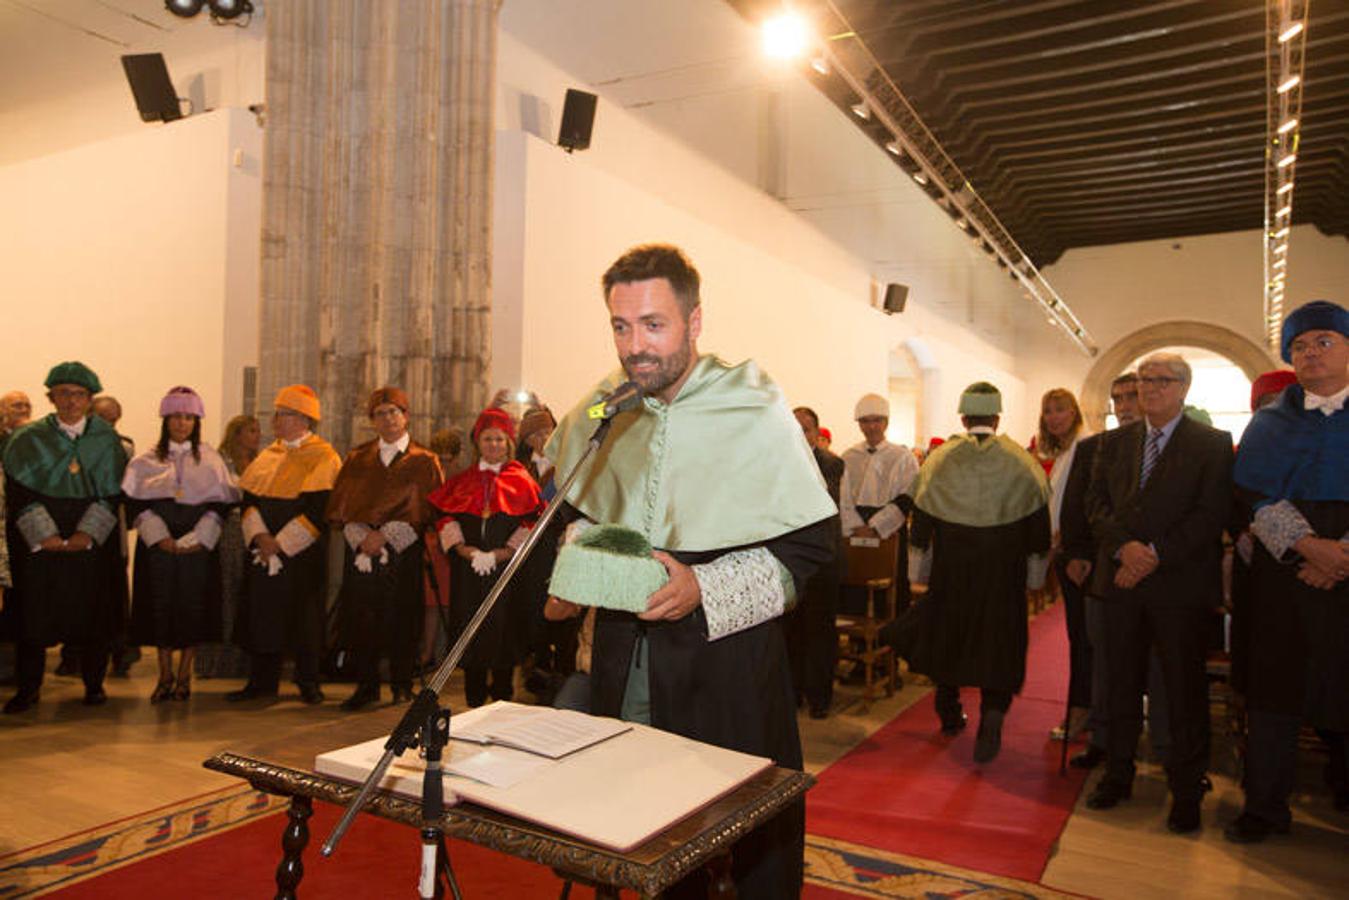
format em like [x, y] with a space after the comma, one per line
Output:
[377, 206]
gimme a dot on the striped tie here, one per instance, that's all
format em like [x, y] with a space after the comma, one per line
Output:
[1151, 451]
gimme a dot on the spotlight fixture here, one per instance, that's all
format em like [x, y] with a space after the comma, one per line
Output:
[1289, 83]
[1290, 32]
[920, 176]
[1288, 126]
[861, 110]
[820, 65]
[221, 10]
[1286, 160]
[1283, 211]
[785, 35]
[894, 148]
[184, 8]
[1284, 188]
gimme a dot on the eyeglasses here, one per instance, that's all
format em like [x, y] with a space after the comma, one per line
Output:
[1323, 343]
[1155, 381]
[1121, 398]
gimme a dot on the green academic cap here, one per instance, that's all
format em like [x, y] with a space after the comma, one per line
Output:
[609, 566]
[73, 373]
[981, 399]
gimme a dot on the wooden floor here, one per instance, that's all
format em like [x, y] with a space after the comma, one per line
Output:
[65, 768]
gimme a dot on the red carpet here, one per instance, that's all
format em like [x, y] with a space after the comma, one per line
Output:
[909, 790]
[377, 858]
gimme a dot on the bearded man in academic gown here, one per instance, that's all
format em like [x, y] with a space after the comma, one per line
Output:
[285, 503]
[64, 481]
[380, 503]
[981, 508]
[1293, 470]
[712, 470]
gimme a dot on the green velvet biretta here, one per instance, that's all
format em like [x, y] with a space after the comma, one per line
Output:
[981, 399]
[73, 373]
[609, 566]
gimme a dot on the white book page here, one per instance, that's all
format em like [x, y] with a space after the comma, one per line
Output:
[553, 733]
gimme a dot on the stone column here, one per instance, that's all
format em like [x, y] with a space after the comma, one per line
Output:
[377, 207]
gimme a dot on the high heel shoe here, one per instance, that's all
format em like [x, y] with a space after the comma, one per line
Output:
[163, 691]
[183, 689]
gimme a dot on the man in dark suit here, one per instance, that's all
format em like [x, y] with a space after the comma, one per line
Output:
[1159, 496]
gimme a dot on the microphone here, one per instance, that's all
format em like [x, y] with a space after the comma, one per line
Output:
[621, 399]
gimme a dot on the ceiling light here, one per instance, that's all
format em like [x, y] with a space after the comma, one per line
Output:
[229, 9]
[785, 36]
[1281, 233]
[185, 8]
[1290, 32]
[1288, 126]
[1286, 160]
[820, 64]
[1290, 83]
[920, 176]
[1283, 210]
[1280, 248]
[861, 110]
[1284, 188]
[893, 147]
[1278, 264]
[1277, 277]
[962, 223]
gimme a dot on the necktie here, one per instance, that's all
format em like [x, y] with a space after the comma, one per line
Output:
[1327, 405]
[1151, 451]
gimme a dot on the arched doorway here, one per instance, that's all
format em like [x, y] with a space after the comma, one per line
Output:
[1248, 356]
[912, 380]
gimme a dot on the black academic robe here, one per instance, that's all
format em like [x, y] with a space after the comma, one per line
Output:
[175, 600]
[1298, 637]
[285, 612]
[972, 627]
[494, 646]
[62, 597]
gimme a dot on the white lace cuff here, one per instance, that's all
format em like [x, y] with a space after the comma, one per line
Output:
[1037, 567]
[742, 589]
[1279, 526]
[252, 525]
[920, 565]
[451, 535]
[296, 536]
[887, 520]
[98, 522]
[353, 533]
[400, 535]
[207, 530]
[151, 528]
[517, 538]
[36, 525]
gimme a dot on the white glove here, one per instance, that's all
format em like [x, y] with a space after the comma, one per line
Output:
[1245, 547]
[484, 561]
[363, 563]
[188, 541]
[273, 565]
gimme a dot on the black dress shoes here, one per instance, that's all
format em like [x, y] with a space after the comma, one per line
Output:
[21, 702]
[1089, 758]
[249, 691]
[95, 697]
[988, 741]
[402, 693]
[310, 694]
[952, 725]
[1184, 816]
[1108, 794]
[1249, 829]
[364, 696]
[819, 710]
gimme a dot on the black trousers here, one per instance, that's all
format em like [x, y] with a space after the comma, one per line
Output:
[264, 671]
[475, 684]
[990, 700]
[1271, 763]
[1179, 632]
[30, 664]
[1079, 644]
[812, 640]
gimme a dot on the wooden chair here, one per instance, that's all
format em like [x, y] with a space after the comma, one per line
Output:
[869, 563]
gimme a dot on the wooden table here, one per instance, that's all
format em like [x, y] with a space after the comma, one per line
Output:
[286, 767]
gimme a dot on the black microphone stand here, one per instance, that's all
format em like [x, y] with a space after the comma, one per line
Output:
[422, 721]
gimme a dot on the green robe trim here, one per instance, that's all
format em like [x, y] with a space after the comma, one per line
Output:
[40, 456]
[724, 465]
[981, 484]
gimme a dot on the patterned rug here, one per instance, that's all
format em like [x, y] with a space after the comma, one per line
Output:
[834, 868]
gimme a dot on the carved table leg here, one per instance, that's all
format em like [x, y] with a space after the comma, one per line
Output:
[720, 883]
[293, 841]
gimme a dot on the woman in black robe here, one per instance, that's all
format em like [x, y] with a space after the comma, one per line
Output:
[489, 509]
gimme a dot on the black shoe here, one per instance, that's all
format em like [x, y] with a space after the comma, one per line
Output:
[819, 710]
[21, 702]
[952, 725]
[1184, 816]
[310, 694]
[989, 739]
[95, 697]
[68, 668]
[1108, 794]
[1089, 758]
[1249, 829]
[364, 696]
[249, 692]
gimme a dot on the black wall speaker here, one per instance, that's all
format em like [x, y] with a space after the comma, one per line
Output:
[150, 85]
[896, 295]
[578, 118]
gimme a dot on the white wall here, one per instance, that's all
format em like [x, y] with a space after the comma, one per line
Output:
[775, 288]
[139, 256]
[1121, 288]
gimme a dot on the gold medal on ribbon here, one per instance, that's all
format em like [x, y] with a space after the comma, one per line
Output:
[74, 467]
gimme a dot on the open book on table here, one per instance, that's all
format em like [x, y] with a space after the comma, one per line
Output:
[542, 730]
